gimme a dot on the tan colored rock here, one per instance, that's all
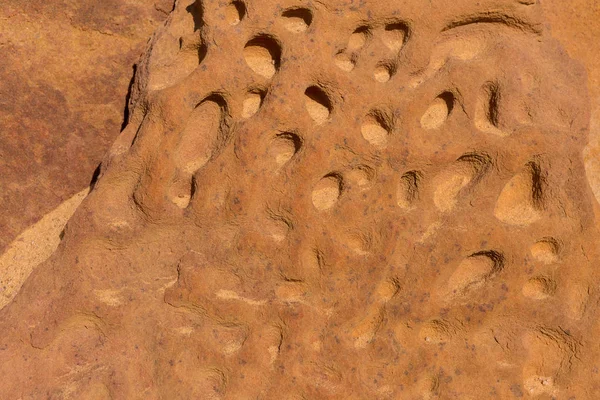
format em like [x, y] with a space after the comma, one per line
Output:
[65, 68]
[283, 252]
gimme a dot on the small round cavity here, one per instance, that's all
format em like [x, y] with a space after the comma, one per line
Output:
[297, 19]
[327, 191]
[438, 111]
[252, 103]
[358, 38]
[284, 146]
[317, 104]
[344, 62]
[375, 129]
[235, 12]
[394, 35]
[263, 55]
[382, 73]
[546, 250]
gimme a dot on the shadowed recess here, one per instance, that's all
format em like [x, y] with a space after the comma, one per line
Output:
[263, 55]
[318, 104]
[297, 19]
[235, 12]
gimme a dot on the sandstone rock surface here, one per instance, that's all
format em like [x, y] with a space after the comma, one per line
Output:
[65, 67]
[329, 200]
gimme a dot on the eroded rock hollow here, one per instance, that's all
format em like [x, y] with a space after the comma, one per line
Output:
[329, 200]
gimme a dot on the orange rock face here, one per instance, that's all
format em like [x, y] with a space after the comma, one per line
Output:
[64, 72]
[329, 201]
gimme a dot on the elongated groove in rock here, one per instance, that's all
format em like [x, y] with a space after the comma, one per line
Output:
[202, 135]
[494, 17]
[235, 12]
[166, 73]
[438, 112]
[537, 184]
[297, 19]
[394, 35]
[317, 104]
[263, 55]
[448, 185]
[376, 129]
[487, 112]
[327, 191]
[277, 227]
[359, 242]
[437, 331]
[284, 146]
[408, 189]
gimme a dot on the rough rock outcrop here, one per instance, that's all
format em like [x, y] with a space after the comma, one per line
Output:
[65, 67]
[333, 200]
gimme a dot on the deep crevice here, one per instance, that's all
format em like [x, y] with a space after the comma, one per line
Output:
[128, 98]
[197, 12]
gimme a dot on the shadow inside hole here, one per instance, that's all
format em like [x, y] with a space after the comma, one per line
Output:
[240, 8]
[449, 99]
[197, 12]
[292, 138]
[319, 96]
[303, 14]
[399, 27]
[270, 44]
[199, 47]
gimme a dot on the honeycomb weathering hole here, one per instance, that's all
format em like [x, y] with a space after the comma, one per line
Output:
[252, 103]
[438, 112]
[327, 191]
[358, 38]
[263, 55]
[318, 104]
[394, 35]
[297, 19]
[344, 61]
[522, 199]
[375, 129]
[235, 12]
[284, 146]
[383, 73]
[546, 250]
[475, 270]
